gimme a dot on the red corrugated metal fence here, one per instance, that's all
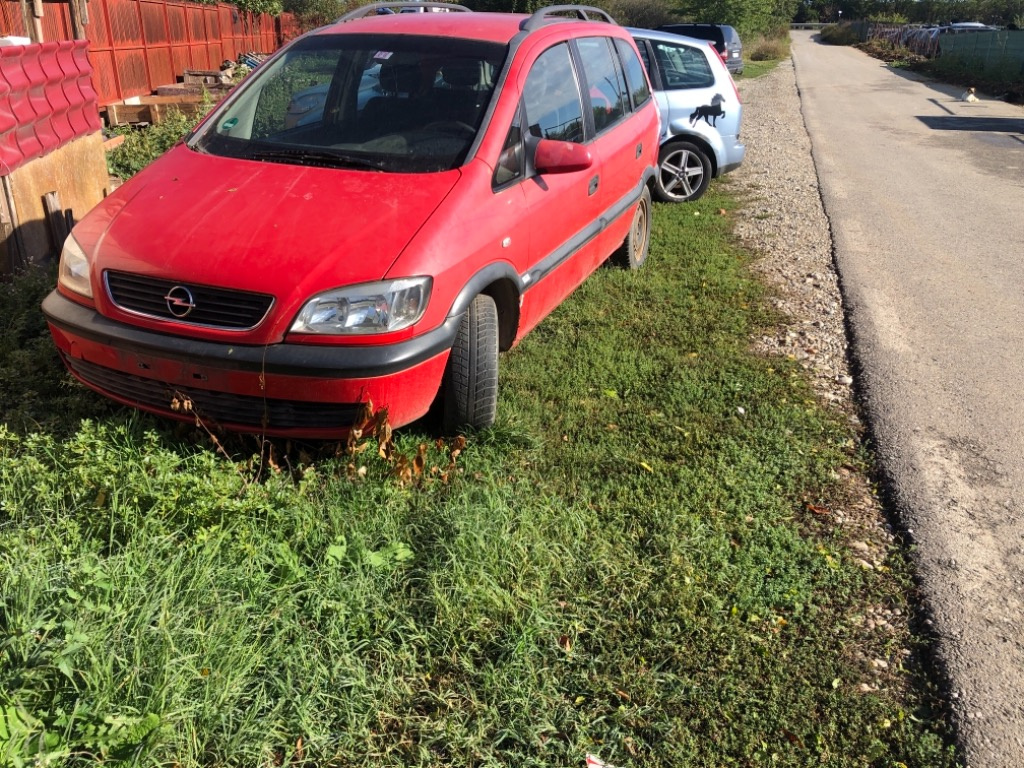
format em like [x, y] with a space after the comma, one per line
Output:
[138, 45]
[46, 100]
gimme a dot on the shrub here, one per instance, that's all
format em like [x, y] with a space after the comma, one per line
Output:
[839, 34]
[887, 18]
[768, 48]
[647, 14]
[142, 146]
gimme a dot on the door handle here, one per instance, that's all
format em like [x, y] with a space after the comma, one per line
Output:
[594, 183]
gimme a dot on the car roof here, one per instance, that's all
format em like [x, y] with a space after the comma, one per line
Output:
[668, 37]
[470, 25]
[492, 27]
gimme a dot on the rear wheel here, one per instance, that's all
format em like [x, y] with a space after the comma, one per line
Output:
[684, 172]
[470, 387]
[633, 251]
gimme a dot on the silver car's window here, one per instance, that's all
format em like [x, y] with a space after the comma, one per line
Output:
[552, 97]
[682, 66]
[403, 104]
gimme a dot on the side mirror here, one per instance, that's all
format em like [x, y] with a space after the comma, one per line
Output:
[561, 157]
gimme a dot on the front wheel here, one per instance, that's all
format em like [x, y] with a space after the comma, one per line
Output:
[633, 251]
[684, 172]
[470, 387]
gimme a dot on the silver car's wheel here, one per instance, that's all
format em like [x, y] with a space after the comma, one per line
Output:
[684, 172]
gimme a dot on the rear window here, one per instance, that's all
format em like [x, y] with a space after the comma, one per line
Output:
[395, 103]
[682, 66]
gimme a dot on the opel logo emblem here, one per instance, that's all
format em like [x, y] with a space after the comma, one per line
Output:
[179, 301]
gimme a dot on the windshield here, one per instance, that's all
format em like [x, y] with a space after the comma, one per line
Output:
[401, 104]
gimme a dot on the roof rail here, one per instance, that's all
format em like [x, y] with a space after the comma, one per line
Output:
[398, 6]
[555, 13]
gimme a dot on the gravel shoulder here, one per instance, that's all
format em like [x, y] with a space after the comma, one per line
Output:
[782, 221]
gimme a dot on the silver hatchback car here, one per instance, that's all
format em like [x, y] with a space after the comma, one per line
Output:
[701, 113]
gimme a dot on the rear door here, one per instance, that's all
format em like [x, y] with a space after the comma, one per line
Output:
[624, 139]
[692, 99]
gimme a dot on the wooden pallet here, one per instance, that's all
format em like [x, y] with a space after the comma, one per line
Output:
[155, 112]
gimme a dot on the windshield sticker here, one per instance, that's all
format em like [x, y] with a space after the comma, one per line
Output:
[383, 55]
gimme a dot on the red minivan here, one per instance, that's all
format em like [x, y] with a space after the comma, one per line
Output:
[365, 222]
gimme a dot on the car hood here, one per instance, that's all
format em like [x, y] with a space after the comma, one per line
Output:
[285, 230]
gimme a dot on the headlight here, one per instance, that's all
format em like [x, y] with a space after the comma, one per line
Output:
[74, 268]
[389, 305]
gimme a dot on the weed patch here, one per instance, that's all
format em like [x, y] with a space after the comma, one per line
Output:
[636, 561]
[143, 145]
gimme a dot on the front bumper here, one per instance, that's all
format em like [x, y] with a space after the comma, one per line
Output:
[298, 390]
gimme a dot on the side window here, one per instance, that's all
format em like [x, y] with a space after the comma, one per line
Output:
[683, 66]
[510, 161]
[607, 86]
[635, 80]
[552, 97]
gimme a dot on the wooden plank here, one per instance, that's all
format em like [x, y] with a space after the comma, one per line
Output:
[159, 112]
[202, 77]
[122, 114]
[217, 91]
[57, 219]
[185, 97]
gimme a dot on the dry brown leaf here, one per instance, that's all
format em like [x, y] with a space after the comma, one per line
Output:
[793, 739]
[420, 460]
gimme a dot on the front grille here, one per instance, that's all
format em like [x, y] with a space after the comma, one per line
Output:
[214, 307]
[255, 413]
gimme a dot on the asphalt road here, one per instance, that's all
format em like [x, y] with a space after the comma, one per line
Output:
[925, 197]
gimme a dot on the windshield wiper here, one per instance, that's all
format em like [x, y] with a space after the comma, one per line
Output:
[308, 156]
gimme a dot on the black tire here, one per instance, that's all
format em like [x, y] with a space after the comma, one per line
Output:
[684, 172]
[469, 392]
[633, 251]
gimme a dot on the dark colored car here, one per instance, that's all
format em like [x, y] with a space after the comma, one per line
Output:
[365, 222]
[725, 38]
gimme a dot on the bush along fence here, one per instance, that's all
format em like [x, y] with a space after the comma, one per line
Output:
[996, 54]
[996, 49]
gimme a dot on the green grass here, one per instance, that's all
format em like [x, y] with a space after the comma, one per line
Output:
[624, 565]
[752, 69]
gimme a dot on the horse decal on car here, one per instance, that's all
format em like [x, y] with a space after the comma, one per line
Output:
[710, 112]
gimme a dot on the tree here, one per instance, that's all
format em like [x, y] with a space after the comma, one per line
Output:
[748, 16]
